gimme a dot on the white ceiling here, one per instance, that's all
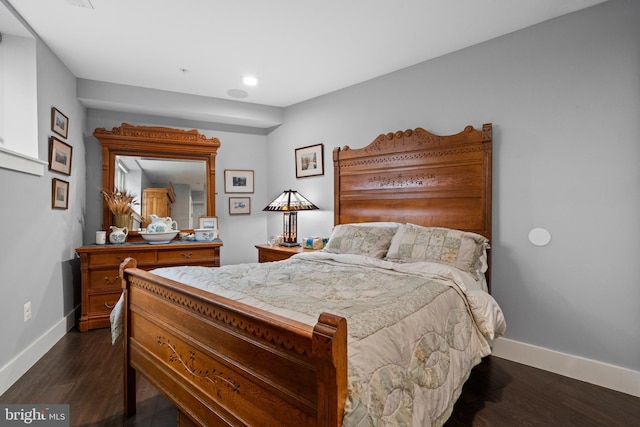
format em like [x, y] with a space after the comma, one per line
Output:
[298, 49]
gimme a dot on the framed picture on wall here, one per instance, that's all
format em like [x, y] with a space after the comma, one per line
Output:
[60, 156]
[239, 205]
[310, 161]
[59, 194]
[238, 181]
[59, 123]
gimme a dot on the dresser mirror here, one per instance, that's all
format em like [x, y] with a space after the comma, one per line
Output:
[139, 158]
[151, 177]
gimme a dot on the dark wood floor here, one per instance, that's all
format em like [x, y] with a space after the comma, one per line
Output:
[85, 371]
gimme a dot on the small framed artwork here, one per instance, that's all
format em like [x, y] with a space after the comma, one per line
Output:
[310, 161]
[60, 156]
[239, 205]
[238, 181]
[59, 194]
[209, 222]
[59, 123]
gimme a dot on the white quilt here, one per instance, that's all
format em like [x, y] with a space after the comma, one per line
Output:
[415, 330]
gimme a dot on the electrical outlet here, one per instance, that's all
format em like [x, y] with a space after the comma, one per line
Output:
[27, 311]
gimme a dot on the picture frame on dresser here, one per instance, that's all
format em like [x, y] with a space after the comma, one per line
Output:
[60, 156]
[59, 123]
[208, 222]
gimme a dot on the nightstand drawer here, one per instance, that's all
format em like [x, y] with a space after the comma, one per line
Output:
[269, 256]
[268, 253]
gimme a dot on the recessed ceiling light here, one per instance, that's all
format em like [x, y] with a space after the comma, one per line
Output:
[250, 81]
[237, 93]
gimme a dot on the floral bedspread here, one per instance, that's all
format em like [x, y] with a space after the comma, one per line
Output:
[414, 330]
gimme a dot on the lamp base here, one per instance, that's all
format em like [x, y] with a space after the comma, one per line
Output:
[290, 245]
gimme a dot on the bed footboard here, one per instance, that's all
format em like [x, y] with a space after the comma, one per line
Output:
[225, 363]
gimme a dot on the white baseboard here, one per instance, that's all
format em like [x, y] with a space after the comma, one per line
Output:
[19, 365]
[579, 368]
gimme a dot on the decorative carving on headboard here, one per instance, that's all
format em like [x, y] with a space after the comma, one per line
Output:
[402, 181]
[408, 156]
[417, 136]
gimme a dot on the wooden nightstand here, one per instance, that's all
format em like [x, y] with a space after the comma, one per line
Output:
[268, 253]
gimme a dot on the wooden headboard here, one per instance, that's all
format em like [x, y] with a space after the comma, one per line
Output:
[417, 177]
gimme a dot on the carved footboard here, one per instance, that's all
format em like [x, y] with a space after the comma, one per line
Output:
[225, 363]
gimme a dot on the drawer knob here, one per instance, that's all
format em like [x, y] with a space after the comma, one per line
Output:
[186, 254]
[109, 306]
[111, 281]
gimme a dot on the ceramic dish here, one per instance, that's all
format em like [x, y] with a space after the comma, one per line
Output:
[205, 234]
[157, 238]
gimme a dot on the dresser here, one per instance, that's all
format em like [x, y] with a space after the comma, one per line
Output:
[100, 280]
[268, 253]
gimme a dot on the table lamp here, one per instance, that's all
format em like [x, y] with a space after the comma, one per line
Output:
[290, 202]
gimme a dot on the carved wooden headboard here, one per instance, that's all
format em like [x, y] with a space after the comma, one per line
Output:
[417, 177]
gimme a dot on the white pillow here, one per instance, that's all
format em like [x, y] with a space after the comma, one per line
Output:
[361, 239]
[460, 249]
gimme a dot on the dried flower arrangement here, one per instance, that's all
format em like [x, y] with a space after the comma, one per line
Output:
[120, 202]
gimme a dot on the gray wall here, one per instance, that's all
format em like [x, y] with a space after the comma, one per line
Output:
[564, 100]
[37, 261]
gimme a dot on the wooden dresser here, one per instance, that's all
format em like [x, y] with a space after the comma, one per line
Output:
[99, 265]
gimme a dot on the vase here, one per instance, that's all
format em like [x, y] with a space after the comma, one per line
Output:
[118, 235]
[123, 220]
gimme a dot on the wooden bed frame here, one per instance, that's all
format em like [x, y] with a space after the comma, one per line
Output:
[225, 363]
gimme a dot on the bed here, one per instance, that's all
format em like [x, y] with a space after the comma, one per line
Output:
[311, 341]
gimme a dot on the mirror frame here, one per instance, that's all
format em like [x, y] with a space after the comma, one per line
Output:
[160, 142]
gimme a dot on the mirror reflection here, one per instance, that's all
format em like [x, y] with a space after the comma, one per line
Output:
[164, 187]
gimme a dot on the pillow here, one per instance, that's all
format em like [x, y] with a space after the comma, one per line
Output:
[460, 249]
[359, 239]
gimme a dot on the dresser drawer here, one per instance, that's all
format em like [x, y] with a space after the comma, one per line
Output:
[188, 255]
[108, 259]
[105, 280]
[103, 303]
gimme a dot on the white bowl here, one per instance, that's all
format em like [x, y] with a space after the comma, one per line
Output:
[205, 234]
[157, 238]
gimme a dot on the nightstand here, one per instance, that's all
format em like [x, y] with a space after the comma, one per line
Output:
[268, 253]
